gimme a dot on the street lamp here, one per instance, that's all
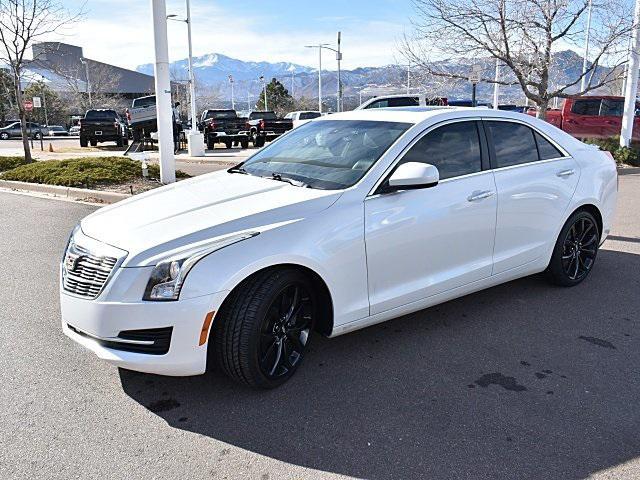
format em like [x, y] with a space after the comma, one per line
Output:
[264, 89]
[586, 49]
[233, 105]
[86, 72]
[194, 138]
[326, 46]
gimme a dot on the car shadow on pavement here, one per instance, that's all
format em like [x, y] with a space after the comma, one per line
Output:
[524, 380]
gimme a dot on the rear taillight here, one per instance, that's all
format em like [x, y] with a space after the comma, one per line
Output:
[262, 124]
[247, 125]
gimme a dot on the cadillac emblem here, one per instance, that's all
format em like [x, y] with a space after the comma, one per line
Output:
[71, 261]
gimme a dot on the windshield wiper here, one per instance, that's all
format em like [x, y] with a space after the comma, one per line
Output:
[238, 169]
[280, 178]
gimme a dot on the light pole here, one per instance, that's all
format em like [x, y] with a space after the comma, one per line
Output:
[320, 46]
[626, 134]
[338, 53]
[496, 87]
[583, 81]
[233, 105]
[293, 80]
[264, 90]
[86, 73]
[163, 92]
[408, 78]
[195, 139]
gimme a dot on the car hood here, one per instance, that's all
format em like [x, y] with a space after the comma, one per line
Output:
[200, 209]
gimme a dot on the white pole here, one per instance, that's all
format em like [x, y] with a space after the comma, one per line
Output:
[496, 87]
[632, 82]
[583, 82]
[408, 78]
[293, 79]
[195, 139]
[233, 104]
[164, 111]
[339, 97]
[192, 83]
[320, 78]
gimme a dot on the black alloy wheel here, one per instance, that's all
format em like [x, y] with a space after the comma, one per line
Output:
[262, 331]
[580, 248]
[285, 331]
[575, 251]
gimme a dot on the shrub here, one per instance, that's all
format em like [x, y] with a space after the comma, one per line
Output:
[627, 156]
[83, 172]
[622, 155]
[7, 163]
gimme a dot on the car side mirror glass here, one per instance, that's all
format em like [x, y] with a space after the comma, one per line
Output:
[413, 175]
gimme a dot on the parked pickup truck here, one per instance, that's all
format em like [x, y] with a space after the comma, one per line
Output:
[142, 117]
[224, 126]
[265, 126]
[103, 125]
[591, 117]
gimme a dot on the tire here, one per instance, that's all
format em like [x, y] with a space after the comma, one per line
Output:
[244, 144]
[119, 142]
[259, 141]
[254, 343]
[210, 144]
[575, 251]
[228, 143]
[93, 142]
[4, 136]
[84, 142]
[125, 141]
[37, 135]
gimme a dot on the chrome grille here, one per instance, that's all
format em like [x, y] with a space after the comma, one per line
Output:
[85, 274]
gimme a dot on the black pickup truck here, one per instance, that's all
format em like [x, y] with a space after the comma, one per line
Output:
[266, 126]
[103, 125]
[224, 126]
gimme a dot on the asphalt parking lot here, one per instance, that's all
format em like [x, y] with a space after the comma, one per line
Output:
[520, 381]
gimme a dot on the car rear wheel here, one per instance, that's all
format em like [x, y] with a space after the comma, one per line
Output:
[93, 142]
[228, 143]
[83, 142]
[575, 251]
[262, 331]
[258, 141]
[4, 136]
[244, 144]
[210, 144]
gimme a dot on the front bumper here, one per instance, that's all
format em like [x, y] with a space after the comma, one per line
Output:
[105, 319]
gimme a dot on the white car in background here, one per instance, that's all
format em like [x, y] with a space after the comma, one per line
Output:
[348, 221]
[302, 117]
[404, 100]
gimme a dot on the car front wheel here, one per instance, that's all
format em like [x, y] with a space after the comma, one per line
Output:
[4, 136]
[262, 330]
[575, 251]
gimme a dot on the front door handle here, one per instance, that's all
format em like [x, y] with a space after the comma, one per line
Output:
[480, 195]
[566, 173]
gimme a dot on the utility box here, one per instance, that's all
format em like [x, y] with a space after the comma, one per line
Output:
[195, 144]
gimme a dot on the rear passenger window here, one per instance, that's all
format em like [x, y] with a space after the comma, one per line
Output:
[309, 115]
[454, 149]
[586, 107]
[404, 102]
[513, 143]
[612, 107]
[545, 149]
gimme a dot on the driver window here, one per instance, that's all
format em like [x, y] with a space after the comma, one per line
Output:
[454, 149]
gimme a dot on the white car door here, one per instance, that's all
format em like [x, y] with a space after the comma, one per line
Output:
[423, 242]
[536, 181]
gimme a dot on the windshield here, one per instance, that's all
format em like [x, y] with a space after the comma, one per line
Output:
[221, 114]
[144, 102]
[100, 115]
[263, 115]
[330, 154]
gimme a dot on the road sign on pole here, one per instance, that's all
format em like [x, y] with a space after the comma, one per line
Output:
[37, 103]
[28, 105]
[476, 74]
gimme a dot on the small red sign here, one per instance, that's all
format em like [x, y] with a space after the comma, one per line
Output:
[28, 105]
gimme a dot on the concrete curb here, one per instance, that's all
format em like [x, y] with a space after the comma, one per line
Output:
[628, 170]
[70, 193]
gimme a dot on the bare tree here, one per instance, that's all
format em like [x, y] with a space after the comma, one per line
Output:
[524, 35]
[22, 23]
[95, 78]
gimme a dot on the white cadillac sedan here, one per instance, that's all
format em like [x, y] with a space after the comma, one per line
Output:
[347, 221]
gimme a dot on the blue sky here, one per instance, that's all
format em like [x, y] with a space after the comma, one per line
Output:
[119, 31]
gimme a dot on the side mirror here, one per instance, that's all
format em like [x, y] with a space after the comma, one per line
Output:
[413, 175]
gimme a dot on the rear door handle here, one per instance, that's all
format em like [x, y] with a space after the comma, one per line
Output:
[566, 173]
[480, 195]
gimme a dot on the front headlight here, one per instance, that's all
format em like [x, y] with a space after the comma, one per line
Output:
[169, 275]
